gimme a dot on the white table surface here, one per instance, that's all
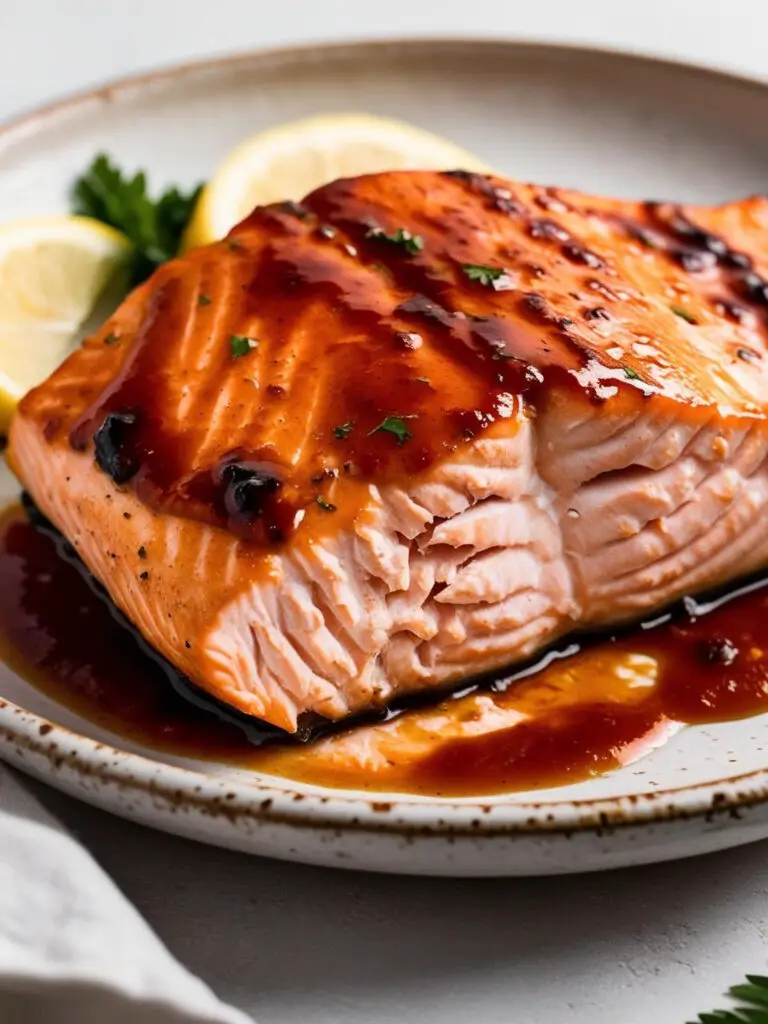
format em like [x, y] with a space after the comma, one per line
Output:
[292, 944]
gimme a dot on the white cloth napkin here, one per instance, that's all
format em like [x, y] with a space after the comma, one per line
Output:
[72, 949]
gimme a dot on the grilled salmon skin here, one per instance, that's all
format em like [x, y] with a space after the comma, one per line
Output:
[413, 430]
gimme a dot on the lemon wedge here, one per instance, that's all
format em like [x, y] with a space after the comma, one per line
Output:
[53, 272]
[291, 160]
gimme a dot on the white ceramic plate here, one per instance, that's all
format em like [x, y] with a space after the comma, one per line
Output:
[588, 119]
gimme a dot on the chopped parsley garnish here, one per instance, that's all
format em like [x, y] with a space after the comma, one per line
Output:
[683, 314]
[487, 276]
[412, 244]
[154, 226]
[142, 552]
[112, 338]
[326, 506]
[241, 345]
[396, 426]
[629, 372]
[204, 300]
[343, 429]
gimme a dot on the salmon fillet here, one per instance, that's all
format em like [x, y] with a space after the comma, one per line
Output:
[414, 430]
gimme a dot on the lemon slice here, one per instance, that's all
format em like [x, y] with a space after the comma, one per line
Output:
[291, 160]
[53, 272]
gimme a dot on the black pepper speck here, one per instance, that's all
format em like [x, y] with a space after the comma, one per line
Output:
[597, 313]
[549, 230]
[748, 355]
[578, 254]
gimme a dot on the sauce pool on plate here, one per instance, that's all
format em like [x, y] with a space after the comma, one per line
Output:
[589, 708]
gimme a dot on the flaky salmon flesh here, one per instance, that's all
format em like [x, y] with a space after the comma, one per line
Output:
[413, 430]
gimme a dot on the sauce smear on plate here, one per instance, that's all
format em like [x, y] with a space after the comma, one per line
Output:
[587, 709]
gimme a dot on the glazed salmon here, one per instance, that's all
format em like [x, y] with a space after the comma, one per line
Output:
[413, 430]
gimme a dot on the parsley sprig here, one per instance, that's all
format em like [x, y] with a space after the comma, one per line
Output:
[412, 244]
[753, 1008]
[241, 345]
[343, 430]
[490, 277]
[154, 226]
[396, 426]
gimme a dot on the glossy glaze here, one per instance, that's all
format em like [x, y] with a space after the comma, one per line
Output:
[250, 384]
[579, 715]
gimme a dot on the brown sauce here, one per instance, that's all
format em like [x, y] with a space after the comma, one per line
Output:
[578, 716]
[56, 633]
[370, 332]
[454, 374]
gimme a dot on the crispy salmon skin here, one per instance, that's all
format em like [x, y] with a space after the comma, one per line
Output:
[412, 430]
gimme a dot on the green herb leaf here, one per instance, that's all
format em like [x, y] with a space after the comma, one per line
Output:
[752, 1008]
[204, 300]
[343, 429]
[241, 345]
[395, 425]
[485, 275]
[154, 226]
[412, 244]
[112, 338]
[755, 992]
[683, 314]
[326, 506]
[629, 372]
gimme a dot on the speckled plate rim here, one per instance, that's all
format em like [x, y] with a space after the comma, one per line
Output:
[33, 743]
[26, 736]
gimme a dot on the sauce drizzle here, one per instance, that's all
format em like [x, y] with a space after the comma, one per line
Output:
[446, 303]
[584, 712]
